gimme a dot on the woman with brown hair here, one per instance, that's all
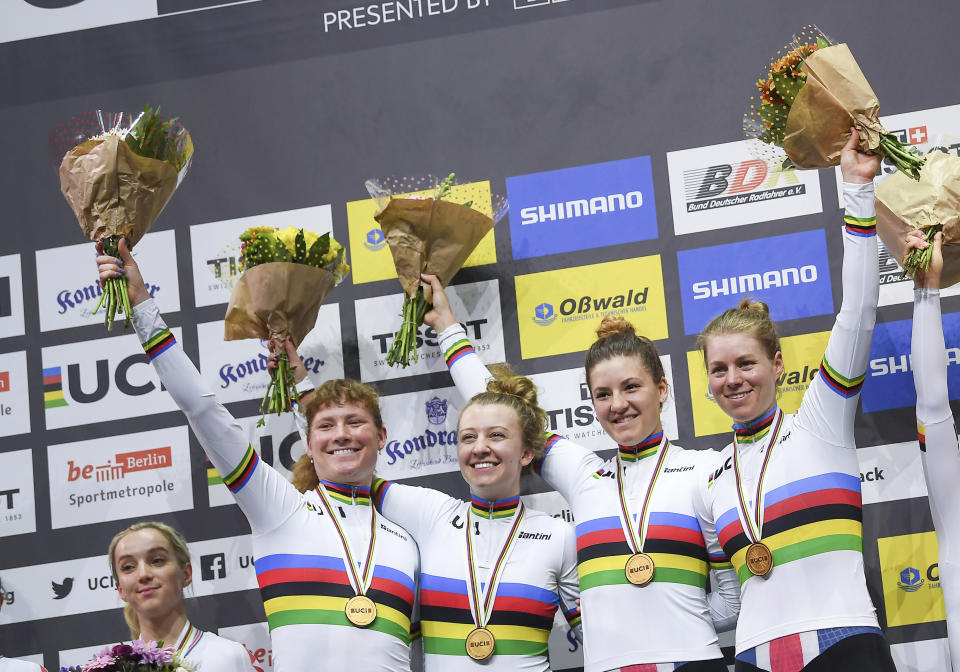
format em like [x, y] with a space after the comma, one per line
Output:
[785, 497]
[642, 558]
[337, 579]
[150, 563]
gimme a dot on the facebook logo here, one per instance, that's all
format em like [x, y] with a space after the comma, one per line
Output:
[213, 567]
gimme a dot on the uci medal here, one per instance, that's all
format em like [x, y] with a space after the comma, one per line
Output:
[480, 644]
[361, 611]
[759, 559]
[639, 569]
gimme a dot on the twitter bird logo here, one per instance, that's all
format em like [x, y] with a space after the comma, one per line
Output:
[61, 590]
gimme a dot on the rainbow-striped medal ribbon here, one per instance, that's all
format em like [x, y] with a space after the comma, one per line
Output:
[639, 567]
[480, 642]
[360, 609]
[759, 557]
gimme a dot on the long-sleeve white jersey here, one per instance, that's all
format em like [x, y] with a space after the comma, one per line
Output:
[298, 555]
[680, 628]
[812, 516]
[207, 652]
[938, 450]
[14, 665]
[540, 574]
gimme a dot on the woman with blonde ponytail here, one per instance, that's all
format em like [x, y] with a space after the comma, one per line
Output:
[785, 497]
[643, 558]
[493, 572]
[337, 580]
[150, 563]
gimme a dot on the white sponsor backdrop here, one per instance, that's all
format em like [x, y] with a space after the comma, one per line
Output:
[17, 505]
[891, 472]
[120, 477]
[113, 378]
[237, 370]
[215, 247]
[738, 176]
[14, 400]
[12, 324]
[476, 305]
[929, 655]
[68, 288]
[255, 637]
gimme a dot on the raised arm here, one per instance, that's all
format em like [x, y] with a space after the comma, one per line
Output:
[264, 496]
[830, 404]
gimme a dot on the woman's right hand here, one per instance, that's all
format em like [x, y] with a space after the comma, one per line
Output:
[440, 316]
[929, 279]
[111, 267]
[296, 363]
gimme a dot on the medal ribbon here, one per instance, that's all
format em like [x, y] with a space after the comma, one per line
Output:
[481, 609]
[755, 534]
[190, 639]
[360, 583]
[636, 543]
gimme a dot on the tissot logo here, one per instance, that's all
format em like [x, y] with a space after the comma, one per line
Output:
[582, 207]
[426, 336]
[790, 273]
[6, 498]
[213, 566]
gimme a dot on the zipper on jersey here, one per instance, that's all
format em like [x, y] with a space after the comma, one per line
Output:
[353, 495]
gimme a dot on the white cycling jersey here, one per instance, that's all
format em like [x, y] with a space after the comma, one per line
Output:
[678, 618]
[939, 451]
[13, 665]
[298, 554]
[208, 652]
[811, 514]
[539, 575]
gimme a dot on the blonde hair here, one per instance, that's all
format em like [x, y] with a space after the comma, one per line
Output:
[180, 550]
[749, 317]
[616, 337]
[520, 394]
[336, 392]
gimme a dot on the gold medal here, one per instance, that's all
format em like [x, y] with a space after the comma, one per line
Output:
[480, 643]
[639, 569]
[759, 559]
[361, 611]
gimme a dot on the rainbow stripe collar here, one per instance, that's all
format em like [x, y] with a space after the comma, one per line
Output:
[755, 430]
[492, 509]
[348, 494]
[645, 448]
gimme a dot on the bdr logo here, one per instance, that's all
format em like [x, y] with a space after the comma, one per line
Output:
[100, 380]
[213, 566]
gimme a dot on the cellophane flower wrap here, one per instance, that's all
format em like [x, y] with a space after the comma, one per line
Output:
[287, 275]
[117, 172]
[931, 204]
[432, 225]
[807, 100]
[137, 656]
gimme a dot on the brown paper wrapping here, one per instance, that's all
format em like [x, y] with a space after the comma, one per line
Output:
[835, 97]
[275, 299]
[904, 205]
[112, 190]
[429, 236]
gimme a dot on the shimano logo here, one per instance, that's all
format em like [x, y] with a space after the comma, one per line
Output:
[752, 282]
[581, 207]
[883, 366]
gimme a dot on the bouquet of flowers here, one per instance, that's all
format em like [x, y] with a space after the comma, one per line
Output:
[137, 656]
[428, 233]
[931, 204]
[287, 275]
[809, 97]
[117, 172]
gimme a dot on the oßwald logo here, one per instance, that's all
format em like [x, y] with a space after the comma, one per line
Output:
[910, 580]
[213, 566]
[374, 240]
[62, 589]
[544, 314]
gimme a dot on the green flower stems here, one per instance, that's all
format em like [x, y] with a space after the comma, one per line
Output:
[405, 342]
[919, 260]
[114, 290]
[905, 160]
[281, 391]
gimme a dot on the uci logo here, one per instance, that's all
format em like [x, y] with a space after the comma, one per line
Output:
[79, 389]
[374, 240]
[544, 314]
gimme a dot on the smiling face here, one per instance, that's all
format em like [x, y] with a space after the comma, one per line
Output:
[343, 442]
[627, 399]
[491, 450]
[743, 378]
[149, 575]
